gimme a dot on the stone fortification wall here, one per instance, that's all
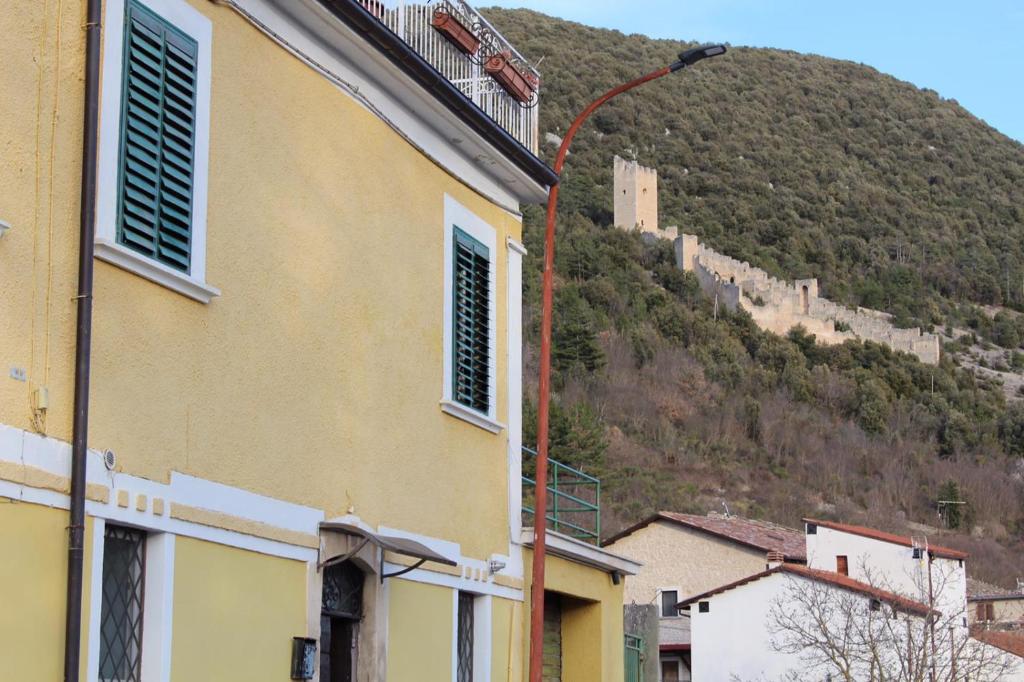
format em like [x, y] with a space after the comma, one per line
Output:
[778, 306]
[636, 197]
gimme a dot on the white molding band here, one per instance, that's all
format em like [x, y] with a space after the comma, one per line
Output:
[197, 26]
[483, 628]
[454, 582]
[92, 656]
[584, 553]
[158, 611]
[514, 342]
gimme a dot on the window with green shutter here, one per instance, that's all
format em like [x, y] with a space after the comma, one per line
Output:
[158, 122]
[471, 320]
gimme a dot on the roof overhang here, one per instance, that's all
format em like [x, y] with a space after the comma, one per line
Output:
[384, 542]
[584, 553]
[428, 109]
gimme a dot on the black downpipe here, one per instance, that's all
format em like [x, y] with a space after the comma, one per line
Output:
[83, 342]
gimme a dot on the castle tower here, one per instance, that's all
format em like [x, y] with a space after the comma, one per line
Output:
[636, 196]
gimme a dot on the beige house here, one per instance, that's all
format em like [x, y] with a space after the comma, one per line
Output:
[687, 554]
[993, 607]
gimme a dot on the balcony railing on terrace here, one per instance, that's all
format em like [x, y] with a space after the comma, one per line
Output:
[574, 499]
[471, 71]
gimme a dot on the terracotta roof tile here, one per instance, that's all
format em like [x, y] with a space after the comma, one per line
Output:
[864, 531]
[1012, 642]
[979, 590]
[761, 535]
[840, 581]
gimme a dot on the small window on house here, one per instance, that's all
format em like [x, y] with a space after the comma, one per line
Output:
[156, 178]
[918, 553]
[812, 529]
[990, 611]
[842, 565]
[669, 599]
[471, 320]
[876, 605]
[124, 561]
[465, 637]
[704, 606]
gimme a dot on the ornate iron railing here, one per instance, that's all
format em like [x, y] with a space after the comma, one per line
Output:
[471, 73]
[574, 499]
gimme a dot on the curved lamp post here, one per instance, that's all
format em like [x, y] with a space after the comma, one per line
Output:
[687, 58]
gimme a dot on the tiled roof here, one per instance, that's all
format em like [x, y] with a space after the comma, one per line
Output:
[978, 590]
[1012, 642]
[761, 535]
[835, 579]
[864, 531]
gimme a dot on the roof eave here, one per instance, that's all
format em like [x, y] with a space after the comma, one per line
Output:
[360, 20]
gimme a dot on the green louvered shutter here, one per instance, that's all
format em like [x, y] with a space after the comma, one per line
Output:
[158, 118]
[471, 322]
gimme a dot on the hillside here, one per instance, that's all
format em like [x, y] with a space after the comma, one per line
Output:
[807, 167]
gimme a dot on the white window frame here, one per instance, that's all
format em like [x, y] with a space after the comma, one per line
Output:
[191, 22]
[670, 659]
[457, 215]
[482, 618]
[679, 596]
[157, 602]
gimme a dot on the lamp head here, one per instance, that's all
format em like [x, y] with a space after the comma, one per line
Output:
[694, 55]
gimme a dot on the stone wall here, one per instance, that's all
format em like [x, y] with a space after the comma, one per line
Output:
[778, 306]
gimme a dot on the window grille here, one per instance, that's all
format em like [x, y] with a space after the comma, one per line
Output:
[465, 639]
[343, 591]
[124, 561]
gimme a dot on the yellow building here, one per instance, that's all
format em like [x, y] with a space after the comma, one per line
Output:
[305, 366]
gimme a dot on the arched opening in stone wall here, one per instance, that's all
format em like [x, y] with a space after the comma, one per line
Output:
[805, 299]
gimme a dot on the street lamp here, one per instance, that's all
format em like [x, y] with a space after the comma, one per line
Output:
[687, 58]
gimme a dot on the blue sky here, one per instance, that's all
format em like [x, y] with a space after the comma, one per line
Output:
[971, 51]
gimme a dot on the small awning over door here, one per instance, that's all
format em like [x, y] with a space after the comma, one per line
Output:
[389, 543]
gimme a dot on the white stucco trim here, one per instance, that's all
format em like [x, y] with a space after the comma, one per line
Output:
[314, 36]
[92, 656]
[455, 635]
[514, 359]
[482, 637]
[158, 613]
[457, 215]
[454, 582]
[192, 22]
[584, 553]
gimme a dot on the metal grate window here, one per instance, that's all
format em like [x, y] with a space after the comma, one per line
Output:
[471, 319]
[158, 127]
[124, 561]
[343, 591]
[465, 638]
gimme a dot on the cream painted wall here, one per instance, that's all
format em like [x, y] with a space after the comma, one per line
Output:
[1006, 610]
[316, 376]
[420, 620]
[592, 631]
[677, 557]
[235, 613]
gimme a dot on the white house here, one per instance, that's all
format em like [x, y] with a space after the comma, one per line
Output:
[909, 566]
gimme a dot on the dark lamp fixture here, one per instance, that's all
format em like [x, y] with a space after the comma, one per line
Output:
[694, 55]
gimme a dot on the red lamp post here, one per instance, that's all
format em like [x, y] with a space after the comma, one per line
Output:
[687, 58]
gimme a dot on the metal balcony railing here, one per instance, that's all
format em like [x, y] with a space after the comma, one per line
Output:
[412, 23]
[574, 499]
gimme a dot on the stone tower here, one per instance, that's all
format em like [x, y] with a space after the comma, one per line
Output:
[636, 196]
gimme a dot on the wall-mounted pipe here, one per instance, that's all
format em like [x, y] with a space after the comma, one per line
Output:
[83, 343]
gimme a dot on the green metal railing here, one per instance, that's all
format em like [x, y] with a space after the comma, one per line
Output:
[574, 498]
[634, 658]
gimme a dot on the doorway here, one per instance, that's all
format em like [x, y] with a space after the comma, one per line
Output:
[340, 612]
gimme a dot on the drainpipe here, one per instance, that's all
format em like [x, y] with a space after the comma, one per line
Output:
[83, 339]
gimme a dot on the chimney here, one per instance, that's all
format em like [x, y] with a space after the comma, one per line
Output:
[775, 559]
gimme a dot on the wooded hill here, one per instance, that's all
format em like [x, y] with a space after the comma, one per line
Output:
[892, 197]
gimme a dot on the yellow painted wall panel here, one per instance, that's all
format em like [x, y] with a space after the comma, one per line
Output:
[420, 622]
[324, 354]
[235, 613]
[593, 649]
[33, 580]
